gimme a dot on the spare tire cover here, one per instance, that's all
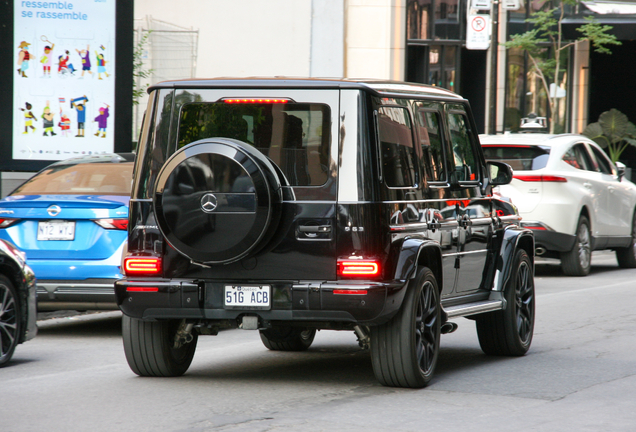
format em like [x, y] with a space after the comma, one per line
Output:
[214, 200]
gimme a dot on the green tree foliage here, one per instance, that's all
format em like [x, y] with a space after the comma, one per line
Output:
[548, 32]
[139, 72]
[613, 131]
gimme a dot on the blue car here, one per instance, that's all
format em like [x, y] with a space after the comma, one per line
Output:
[71, 219]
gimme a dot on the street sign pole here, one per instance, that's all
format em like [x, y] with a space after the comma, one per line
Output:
[494, 42]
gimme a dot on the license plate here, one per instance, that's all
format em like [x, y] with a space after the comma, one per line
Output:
[56, 230]
[252, 296]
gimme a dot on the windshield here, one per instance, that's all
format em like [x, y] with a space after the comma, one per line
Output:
[519, 157]
[80, 179]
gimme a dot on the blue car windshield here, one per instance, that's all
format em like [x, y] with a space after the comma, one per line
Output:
[80, 179]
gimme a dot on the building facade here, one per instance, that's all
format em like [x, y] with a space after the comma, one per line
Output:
[505, 89]
[423, 41]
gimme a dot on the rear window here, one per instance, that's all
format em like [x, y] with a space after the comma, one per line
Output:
[80, 179]
[520, 158]
[295, 136]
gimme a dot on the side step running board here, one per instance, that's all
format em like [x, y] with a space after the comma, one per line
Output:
[474, 308]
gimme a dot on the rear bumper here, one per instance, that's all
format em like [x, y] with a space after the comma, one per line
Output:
[549, 239]
[361, 303]
[88, 294]
[53, 268]
[77, 269]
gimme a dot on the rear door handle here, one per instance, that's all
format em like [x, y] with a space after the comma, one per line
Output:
[314, 228]
[587, 185]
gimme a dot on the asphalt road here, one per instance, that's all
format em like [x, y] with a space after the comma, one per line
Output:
[578, 376]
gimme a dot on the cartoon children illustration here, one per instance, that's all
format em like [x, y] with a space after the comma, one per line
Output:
[47, 58]
[63, 65]
[47, 121]
[28, 118]
[64, 123]
[79, 105]
[23, 58]
[101, 65]
[86, 60]
[102, 121]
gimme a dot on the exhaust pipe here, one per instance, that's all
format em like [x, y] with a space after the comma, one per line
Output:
[539, 250]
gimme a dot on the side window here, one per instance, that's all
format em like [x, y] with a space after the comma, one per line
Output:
[604, 164]
[431, 143]
[466, 161]
[396, 146]
[578, 157]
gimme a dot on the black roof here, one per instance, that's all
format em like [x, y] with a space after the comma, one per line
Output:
[379, 87]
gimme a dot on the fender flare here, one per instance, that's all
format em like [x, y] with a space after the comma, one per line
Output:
[513, 237]
[411, 253]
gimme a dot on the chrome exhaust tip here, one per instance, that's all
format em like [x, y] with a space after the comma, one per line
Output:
[538, 251]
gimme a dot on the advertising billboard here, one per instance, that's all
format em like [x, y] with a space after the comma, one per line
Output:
[64, 92]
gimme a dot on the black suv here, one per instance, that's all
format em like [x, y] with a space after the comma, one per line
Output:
[294, 205]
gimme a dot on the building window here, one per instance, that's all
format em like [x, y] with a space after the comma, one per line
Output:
[433, 19]
[418, 19]
[434, 44]
[526, 93]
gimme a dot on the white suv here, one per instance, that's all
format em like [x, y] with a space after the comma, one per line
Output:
[570, 194]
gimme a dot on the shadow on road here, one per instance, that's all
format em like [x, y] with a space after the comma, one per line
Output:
[81, 326]
[346, 365]
[554, 269]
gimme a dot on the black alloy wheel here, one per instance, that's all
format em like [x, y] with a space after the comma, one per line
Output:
[10, 320]
[578, 261]
[626, 257]
[509, 332]
[405, 350]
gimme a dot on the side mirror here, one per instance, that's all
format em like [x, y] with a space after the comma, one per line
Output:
[620, 167]
[500, 173]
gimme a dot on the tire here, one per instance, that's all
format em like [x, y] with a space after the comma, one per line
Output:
[218, 201]
[404, 351]
[578, 261]
[10, 320]
[149, 347]
[626, 257]
[509, 332]
[287, 338]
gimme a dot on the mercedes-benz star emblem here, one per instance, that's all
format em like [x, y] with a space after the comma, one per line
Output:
[208, 203]
[53, 210]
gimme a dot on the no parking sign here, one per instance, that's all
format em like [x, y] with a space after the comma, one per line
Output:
[478, 32]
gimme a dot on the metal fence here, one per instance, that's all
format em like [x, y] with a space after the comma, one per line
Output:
[170, 52]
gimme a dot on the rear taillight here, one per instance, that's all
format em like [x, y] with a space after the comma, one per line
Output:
[358, 268]
[7, 222]
[540, 178]
[142, 266]
[116, 224]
